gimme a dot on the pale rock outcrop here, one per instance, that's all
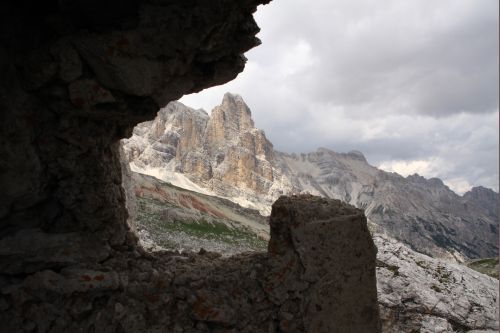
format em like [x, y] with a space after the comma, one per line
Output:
[421, 294]
[222, 152]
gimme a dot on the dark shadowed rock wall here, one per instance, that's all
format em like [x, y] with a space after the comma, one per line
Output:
[318, 276]
[76, 76]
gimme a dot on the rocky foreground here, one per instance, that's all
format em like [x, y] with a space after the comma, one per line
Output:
[416, 293]
[300, 285]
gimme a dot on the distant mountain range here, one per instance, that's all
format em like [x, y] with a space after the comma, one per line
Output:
[416, 293]
[225, 155]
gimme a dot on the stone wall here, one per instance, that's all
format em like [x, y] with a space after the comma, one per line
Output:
[318, 276]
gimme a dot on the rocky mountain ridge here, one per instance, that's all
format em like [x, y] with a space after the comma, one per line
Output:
[225, 155]
[415, 293]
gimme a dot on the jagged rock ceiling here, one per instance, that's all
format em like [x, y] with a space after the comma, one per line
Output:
[76, 77]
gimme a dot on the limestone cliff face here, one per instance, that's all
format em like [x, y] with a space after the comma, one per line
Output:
[228, 121]
[223, 152]
[243, 155]
[231, 158]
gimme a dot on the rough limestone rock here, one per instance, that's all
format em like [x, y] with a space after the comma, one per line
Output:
[416, 293]
[77, 76]
[423, 213]
[422, 294]
[483, 198]
[318, 276]
[325, 243]
[224, 154]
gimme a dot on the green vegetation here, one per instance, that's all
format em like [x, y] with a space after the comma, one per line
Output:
[421, 263]
[393, 268]
[436, 288]
[488, 266]
[153, 215]
[443, 275]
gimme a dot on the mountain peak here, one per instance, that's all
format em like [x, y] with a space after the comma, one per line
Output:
[230, 98]
[482, 189]
[481, 193]
[229, 119]
[226, 155]
[357, 155]
[234, 103]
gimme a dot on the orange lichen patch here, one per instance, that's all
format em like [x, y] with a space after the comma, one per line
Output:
[285, 324]
[122, 42]
[86, 278]
[87, 92]
[78, 101]
[152, 298]
[110, 51]
[286, 269]
[236, 292]
[204, 311]
[30, 118]
[161, 284]
[99, 277]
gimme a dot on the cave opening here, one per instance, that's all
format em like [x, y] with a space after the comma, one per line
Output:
[76, 77]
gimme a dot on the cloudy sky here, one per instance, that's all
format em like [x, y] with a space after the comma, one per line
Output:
[412, 84]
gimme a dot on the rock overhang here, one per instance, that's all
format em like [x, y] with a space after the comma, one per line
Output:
[77, 76]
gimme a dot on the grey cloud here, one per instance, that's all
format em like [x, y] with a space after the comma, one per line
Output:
[427, 60]
[397, 80]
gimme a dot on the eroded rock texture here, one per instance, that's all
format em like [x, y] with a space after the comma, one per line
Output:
[318, 276]
[76, 77]
[225, 155]
[223, 152]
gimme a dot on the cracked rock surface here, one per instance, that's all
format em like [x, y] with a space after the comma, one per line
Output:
[422, 294]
